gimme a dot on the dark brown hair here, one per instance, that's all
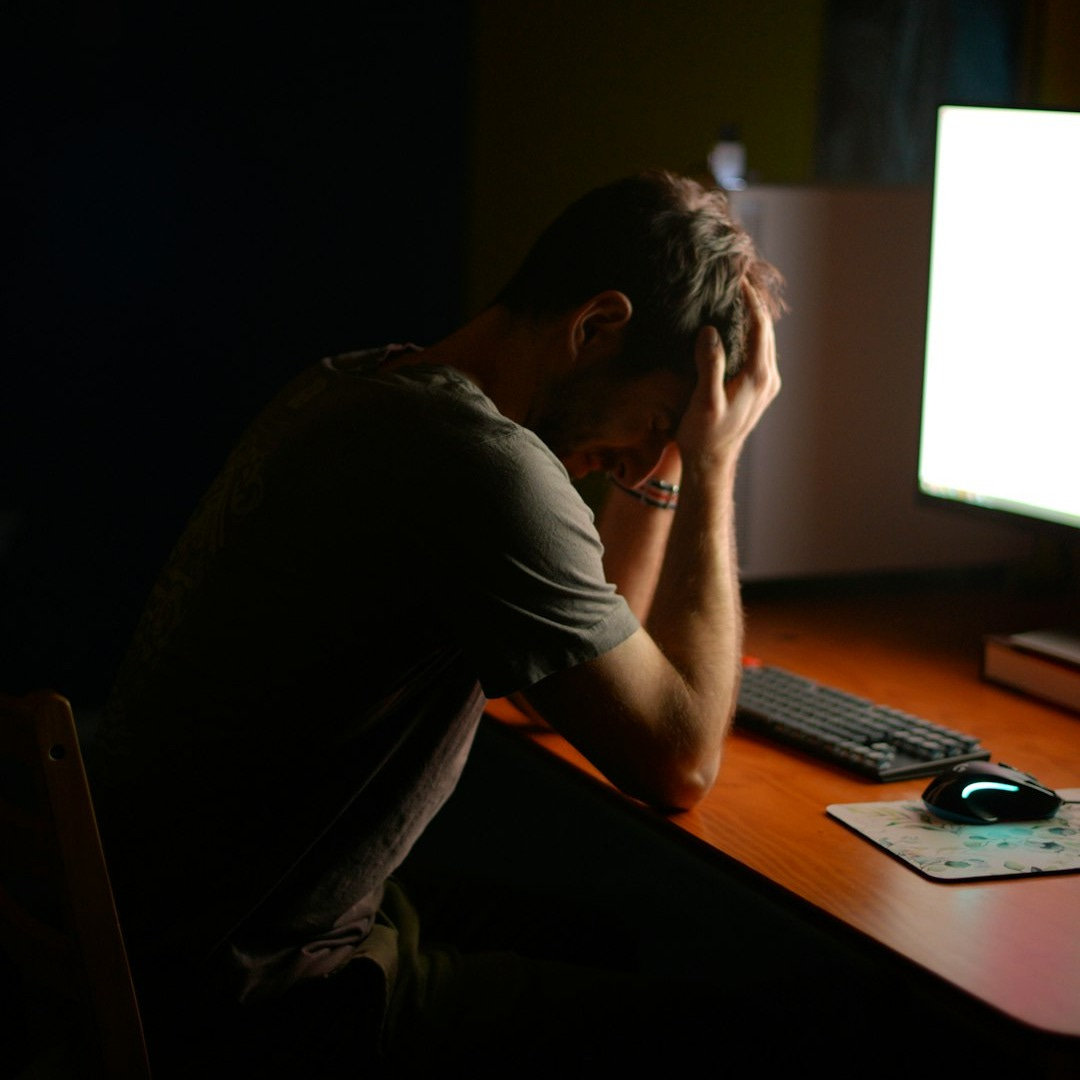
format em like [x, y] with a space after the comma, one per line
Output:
[667, 242]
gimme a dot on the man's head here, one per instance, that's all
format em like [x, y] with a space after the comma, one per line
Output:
[667, 243]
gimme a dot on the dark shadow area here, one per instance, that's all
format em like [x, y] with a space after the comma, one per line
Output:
[200, 203]
[887, 65]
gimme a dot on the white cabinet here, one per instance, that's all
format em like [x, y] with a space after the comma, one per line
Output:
[827, 481]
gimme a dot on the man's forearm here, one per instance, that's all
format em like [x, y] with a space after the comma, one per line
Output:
[696, 614]
[635, 537]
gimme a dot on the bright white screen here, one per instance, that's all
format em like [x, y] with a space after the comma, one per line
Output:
[1001, 392]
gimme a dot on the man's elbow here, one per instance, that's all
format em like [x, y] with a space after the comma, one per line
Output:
[686, 782]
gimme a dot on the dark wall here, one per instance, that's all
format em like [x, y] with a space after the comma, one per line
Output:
[888, 64]
[197, 205]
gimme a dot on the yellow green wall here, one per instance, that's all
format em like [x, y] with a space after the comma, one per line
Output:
[1057, 49]
[568, 94]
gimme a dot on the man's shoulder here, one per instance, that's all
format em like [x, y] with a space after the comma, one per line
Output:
[367, 360]
[427, 424]
[424, 401]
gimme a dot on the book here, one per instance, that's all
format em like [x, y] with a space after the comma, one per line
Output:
[1043, 663]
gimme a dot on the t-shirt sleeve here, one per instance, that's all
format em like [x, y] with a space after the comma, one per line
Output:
[521, 569]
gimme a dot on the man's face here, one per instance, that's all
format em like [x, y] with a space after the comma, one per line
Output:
[596, 421]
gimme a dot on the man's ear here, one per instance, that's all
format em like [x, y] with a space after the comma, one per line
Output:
[597, 325]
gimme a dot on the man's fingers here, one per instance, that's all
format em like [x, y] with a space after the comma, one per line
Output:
[761, 362]
[711, 358]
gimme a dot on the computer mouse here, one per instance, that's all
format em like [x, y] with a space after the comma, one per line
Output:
[981, 793]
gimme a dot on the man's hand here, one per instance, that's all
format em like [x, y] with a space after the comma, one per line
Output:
[721, 415]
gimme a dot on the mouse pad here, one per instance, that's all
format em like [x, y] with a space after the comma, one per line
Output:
[948, 852]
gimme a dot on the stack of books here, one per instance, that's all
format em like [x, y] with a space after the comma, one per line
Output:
[1043, 663]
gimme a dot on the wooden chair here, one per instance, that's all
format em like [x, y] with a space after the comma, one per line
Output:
[58, 921]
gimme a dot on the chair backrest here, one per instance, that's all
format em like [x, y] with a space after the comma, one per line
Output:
[58, 921]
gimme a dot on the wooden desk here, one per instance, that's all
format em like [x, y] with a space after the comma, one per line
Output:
[1012, 946]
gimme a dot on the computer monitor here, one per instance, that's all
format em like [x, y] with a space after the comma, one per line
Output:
[1000, 415]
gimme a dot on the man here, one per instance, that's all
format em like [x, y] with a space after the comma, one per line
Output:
[395, 540]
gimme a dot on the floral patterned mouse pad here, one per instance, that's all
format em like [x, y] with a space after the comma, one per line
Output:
[948, 852]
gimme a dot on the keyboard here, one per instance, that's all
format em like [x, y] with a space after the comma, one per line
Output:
[848, 731]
